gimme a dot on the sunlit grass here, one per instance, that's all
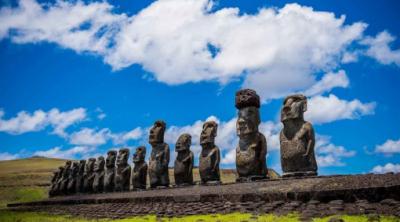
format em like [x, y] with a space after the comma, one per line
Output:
[9, 216]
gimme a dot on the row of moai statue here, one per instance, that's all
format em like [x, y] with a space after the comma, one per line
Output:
[297, 142]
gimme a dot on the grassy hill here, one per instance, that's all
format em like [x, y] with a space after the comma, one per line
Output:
[28, 179]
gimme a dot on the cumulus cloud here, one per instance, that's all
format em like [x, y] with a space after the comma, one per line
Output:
[389, 147]
[328, 82]
[122, 138]
[323, 109]
[329, 154]
[8, 156]
[71, 153]
[276, 51]
[389, 167]
[379, 48]
[26, 122]
[87, 136]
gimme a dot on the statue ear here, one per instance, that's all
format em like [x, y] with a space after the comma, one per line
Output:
[305, 105]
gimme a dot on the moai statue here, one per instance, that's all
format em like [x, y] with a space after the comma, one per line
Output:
[98, 180]
[80, 176]
[159, 158]
[109, 175]
[183, 167]
[210, 155]
[71, 188]
[88, 176]
[297, 139]
[123, 171]
[57, 187]
[252, 148]
[54, 180]
[139, 172]
[65, 178]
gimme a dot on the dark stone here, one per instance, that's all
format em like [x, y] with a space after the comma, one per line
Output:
[183, 167]
[109, 174]
[252, 148]
[159, 157]
[297, 139]
[65, 178]
[98, 181]
[88, 176]
[57, 175]
[71, 188]
[139, 172]
[210, 155]
[123, 171]
[80, 177]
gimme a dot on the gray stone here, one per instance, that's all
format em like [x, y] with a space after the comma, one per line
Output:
[183, 167]
[88, 176]
[139, 172]
[80, 177]
[297, 139]
[159, 157]
[55, 181]
[98, 181]
[65, 178]
[71, 188]
[252, 148]
[210, 155]
[109, 175]
[123, 171]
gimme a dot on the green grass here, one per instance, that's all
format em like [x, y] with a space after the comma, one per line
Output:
[9, 216]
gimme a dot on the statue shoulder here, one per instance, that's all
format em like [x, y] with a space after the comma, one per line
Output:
[308, 126]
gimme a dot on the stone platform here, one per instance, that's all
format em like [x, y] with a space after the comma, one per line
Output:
[312, 196]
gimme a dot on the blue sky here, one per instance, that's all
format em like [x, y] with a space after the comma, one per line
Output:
[79, 78]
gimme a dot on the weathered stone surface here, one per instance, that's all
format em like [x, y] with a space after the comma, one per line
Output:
[80, 177]
[252, 148]
[71, 188]
[183, 167]
[139, 172]
[57, 175]
[159, 157]
[109, 175]
[65, 177]
[210, 155]
[88, 175]
[297, 139]
[98, 181]
[123, 171]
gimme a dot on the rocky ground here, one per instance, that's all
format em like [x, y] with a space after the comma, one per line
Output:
[311, 197]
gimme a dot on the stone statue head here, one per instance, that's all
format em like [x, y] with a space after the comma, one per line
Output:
[209, 132]
[90, 165]
[122, 158]
[111, 157]
[60, 171]
[248, 103]
[294, 107]
[139, 155]
[67, 168]
[82, 164]
[183, 143]
[99, 164]
[156, 135]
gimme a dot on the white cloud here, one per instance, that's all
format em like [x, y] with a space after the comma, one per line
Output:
[379, 49]
[389, 167]
[328, 82]
[329, 154]
[25, 122]
[122, 138]
[8, 156]
[87, 136]
[72, 153]
[328, 109]
[389, 147]
[277, 51]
